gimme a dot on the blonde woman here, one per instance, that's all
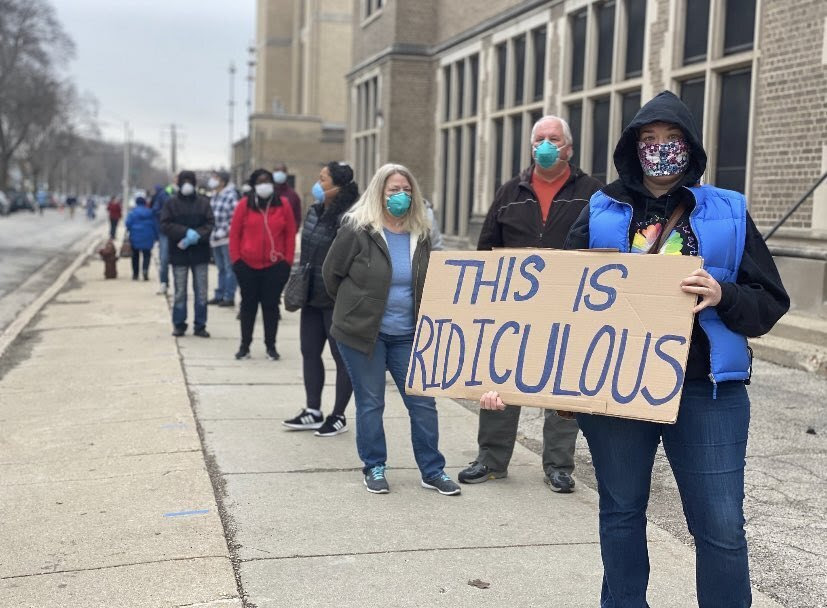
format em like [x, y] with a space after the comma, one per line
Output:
[375, 272]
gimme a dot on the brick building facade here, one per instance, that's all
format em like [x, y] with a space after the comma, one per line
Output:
[451, 89]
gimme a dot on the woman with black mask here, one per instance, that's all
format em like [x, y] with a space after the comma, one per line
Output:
[334, 194]
[262, 245]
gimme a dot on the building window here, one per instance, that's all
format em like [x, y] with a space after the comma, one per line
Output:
[635, 34]
[696, 31]
[538, 44]
[365, 136]
[692, 94]
[600, 138]
[578, 50]
[498, 153]
[516, 144]
[605, 41]
[502, 54]
[371, 7]
[629, 108]
[576, 125]
[519, 69]
[731, 163]
[739, 28]
[458, 134]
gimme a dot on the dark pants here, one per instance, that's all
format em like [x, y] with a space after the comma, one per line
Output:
[260, 287]
[706, 449]
[145, 266]
[113, 228]
[315, 332]
[498, 432]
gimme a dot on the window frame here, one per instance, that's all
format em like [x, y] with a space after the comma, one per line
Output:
[366, 94]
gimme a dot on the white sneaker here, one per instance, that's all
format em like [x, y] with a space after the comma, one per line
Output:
[163, 290]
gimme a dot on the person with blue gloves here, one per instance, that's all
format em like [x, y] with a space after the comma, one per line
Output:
[187, 221]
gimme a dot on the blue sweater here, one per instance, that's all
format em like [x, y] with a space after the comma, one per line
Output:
[398, 318]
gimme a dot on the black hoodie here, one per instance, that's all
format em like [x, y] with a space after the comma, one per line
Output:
[751, 305]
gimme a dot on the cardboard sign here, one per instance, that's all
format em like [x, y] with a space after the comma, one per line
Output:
[606, 333]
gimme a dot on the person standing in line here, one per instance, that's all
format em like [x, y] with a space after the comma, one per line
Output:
[262, 246]
[115, 212]
[159, 199]
[143, 232]
[534, 209]
[187, 221]
[334, 193]
[223, 205]
[660, 161]
[283, 190]
[375, 273]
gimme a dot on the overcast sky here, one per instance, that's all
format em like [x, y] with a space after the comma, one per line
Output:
[157, 62]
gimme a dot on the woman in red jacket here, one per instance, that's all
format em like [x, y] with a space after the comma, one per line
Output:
[262, 243]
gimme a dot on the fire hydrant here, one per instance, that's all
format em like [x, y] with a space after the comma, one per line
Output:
[110, 258]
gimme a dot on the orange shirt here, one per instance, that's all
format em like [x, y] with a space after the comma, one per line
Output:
[546, 191]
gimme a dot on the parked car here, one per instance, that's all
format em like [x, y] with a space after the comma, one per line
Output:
[5, 204]
[21, 201]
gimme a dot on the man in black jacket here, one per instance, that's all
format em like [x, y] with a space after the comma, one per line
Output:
[534, 209]
[187, 220]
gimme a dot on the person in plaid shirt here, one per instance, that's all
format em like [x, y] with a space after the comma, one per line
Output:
[223, 204]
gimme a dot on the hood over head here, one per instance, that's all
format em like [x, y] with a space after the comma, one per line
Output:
[664, 107]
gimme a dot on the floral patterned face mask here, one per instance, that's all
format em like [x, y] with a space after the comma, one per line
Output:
[658, 160]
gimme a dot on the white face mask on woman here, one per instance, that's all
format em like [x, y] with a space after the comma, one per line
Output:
[187, 189]
[264, 190]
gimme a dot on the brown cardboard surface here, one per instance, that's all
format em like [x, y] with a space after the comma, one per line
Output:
[556, 329]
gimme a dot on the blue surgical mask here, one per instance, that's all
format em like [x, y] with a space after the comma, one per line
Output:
[279, 177]
[546, 154]
[398, 204]
[318, 192]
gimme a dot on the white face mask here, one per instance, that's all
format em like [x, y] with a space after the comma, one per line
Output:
[187, 189]
[280, 177]
[212, 183]
[264, 190]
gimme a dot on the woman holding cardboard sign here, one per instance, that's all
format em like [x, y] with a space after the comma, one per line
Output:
[375, 272]
[657, 206]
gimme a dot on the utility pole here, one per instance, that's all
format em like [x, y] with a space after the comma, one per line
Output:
[251, 64]
[126, 168]
[173, 152]
[232, 112]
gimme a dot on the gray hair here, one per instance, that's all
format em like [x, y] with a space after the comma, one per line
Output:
[565, 126]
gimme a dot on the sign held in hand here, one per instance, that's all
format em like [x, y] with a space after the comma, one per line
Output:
[605, 333]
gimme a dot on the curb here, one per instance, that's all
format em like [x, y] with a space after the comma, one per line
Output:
[9, 335]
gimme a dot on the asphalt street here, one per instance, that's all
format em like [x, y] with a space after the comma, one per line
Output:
[34, 250]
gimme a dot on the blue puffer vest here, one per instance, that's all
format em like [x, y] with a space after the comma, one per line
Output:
[719, 221]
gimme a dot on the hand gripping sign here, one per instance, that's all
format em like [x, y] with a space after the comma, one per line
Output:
[583, 331]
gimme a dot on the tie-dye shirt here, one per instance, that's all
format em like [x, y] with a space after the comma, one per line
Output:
[681, 241]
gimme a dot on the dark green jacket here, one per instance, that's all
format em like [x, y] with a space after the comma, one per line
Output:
[357, 275]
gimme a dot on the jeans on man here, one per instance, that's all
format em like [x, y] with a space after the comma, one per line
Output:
[706, 450]
[163, 259]
[225, 290]
[199, 287]
[367, 374]
[113, 228]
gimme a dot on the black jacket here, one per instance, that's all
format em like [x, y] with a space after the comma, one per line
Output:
[751, 305]
[180, 213]
[318, 231]
[516, 220]
[357, 273]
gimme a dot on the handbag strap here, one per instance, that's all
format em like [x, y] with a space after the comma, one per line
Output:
[670, 226]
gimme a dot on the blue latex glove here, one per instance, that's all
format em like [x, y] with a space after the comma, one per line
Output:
[192, 236]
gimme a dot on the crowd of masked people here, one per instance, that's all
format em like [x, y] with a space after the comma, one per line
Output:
[362, 265]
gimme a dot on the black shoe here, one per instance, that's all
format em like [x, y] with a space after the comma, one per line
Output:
[333, 425]
[146, 277]
[305, 421]
[478, 473]
[273, 354]
[243, 353]
[375, 480]
[226, 304]
[442, 484]
[201, 333]
[560, 482]
[214, 301]
[179, 331]
[135, 277]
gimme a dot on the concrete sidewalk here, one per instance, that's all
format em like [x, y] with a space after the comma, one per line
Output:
[107, 499]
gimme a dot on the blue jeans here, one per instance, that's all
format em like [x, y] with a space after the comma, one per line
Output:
[225, 290]
[199, 286]
[367, 373]
[163, 259]
[706, 450]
